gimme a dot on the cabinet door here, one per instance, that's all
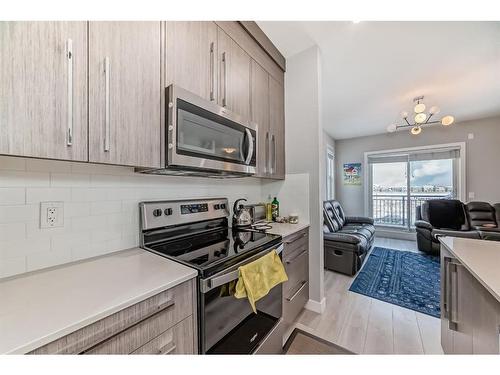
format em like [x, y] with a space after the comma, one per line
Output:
[260, 115]
[277, 126]
[234, 76]
[43, 89]
[124, 93]
[463, 307]
[192, 57]
[486, 334]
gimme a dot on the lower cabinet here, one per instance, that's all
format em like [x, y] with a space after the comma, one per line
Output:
[470, 315]
[296, 261]
[162, 324]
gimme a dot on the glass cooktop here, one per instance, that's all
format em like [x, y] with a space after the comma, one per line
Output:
[215, 250]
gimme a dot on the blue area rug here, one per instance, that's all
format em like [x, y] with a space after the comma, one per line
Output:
[403, 278]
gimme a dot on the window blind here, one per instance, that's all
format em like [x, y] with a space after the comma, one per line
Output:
[417, 155]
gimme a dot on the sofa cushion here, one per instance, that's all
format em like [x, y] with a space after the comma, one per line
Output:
[490, 236]
[445, 214]
[480, 213]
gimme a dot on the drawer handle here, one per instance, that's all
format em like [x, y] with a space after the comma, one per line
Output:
[167, 349]
[295, 238]
[290, 261]
[302, 286]
[337, 253]
[154, 311]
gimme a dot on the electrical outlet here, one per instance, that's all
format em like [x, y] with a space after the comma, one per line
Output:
[51, 214]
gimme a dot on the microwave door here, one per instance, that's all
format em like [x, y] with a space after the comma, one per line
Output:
[200, 138]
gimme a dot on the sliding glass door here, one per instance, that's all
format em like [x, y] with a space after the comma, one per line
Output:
[400, 182]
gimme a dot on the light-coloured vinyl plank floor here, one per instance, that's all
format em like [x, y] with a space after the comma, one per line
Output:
[368, 326]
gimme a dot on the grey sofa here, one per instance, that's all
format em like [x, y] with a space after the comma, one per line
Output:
[450, 217]
[347, 239]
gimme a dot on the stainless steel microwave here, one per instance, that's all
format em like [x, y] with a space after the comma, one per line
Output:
[203, 138]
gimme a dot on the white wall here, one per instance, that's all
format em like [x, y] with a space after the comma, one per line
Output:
[292, 193]
[100, 208]
[482, 154]
[304, 145]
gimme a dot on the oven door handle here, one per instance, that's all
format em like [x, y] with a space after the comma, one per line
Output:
[225, 277]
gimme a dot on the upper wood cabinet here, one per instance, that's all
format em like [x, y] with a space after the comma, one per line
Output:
[234, 75]
[124, 93]
[191, 57]
[43, 89]
[277, 128]
[260, 115]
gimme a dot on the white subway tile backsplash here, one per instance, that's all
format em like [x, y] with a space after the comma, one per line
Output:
[36, 195]
[109, 207]
[12, 196]
[18, 213]
[76, 209]
[24, 179]
[12, 231]
[101, 212]
[69, 180]
[47, 259]
[12, 266]
[88, 222]
[22, 247]
[70, 241]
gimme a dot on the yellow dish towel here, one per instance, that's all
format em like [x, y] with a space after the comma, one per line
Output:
[257, 278]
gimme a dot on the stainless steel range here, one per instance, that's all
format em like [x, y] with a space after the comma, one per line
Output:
[196, 233]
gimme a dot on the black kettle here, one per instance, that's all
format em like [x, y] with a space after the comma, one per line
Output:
[241, 215]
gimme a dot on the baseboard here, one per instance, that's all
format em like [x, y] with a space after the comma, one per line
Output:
[315, 306]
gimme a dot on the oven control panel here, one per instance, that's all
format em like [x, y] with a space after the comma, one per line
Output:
[194, 208]
[159, 214]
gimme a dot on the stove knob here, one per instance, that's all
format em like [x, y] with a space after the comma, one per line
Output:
[157, 212]
[168, 211]
[216, 206]
[222, 206]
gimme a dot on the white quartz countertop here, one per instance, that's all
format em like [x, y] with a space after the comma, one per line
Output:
[286, 229]
[480, 257]
[38, 308]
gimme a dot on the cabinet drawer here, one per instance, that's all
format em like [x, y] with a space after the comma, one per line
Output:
[297, 270]
[294, 242]
[175, 304]
[177, 340]
[295, 300]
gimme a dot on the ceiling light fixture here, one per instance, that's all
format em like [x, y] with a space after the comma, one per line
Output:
[420, 117]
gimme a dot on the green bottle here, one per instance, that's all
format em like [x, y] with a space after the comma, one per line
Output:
[275, 208]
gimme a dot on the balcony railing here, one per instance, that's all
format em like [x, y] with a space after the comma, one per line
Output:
[392, 209]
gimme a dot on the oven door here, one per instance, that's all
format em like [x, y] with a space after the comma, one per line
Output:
[227, 324]
[203, 135]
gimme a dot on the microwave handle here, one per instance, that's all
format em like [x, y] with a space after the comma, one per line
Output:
[218, 280]
[250, 146]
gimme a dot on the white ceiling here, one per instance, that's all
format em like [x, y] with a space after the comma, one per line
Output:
[371, 71]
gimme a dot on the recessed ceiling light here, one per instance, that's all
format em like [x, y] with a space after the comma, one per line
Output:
[356, 21]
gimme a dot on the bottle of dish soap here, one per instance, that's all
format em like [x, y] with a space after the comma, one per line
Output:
[275, 207]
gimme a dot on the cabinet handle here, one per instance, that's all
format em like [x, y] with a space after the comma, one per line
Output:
[453, 301]
[267, 167]
[224, 88]
[212, 71]
[69, 57]
[273, 140]
[155, 310]
[167, 349]
[299, 289]
[290, 261]
[293, 239]
[106, 103]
